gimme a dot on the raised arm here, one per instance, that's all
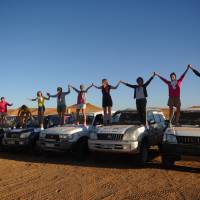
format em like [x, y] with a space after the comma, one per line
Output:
[53, 96]
[97, 87]
[115, 87]
[87, 89]
[195, 71]
[183, 75]
[75, 89]
[149, 81]
[69, 90]
[129, 85]
[47, 98]
[163, 79]
[10, 104]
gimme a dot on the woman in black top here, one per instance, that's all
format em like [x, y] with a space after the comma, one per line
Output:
[140, 94]
[107, 102]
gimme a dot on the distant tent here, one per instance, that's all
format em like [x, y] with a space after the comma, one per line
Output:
[53, 111]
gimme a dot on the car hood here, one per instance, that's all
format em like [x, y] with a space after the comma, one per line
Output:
[20, 130]
[70, 129]
[115, 129]
[187, 131]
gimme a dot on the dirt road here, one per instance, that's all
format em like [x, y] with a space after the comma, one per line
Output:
[59, 177]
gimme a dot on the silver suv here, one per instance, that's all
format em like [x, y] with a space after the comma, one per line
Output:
[128, 135]
[183, 140]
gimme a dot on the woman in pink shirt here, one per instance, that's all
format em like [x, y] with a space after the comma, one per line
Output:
[81, 102]
[3, 110]
[174, 86]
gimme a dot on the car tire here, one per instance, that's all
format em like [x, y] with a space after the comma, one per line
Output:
[144, 154]
[81, 149]
[167, 162]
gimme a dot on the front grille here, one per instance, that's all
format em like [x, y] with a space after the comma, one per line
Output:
[116, 137]
[12, 135]
[52, 137]
[188, 140]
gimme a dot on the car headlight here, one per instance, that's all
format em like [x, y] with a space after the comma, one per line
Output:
[66, 136]
[170, 138]
[25, 135]
[93, 136]
[130, 136]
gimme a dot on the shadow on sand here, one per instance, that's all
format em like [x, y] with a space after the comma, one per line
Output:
[114, 161]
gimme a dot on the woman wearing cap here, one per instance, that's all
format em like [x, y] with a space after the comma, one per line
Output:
[61, 102]
[140, 94]
[41, 107]
[174, 86]
[81, 102]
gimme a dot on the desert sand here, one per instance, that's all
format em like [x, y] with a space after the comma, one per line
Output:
[60, 177]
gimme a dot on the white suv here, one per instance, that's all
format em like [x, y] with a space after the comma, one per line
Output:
[128, 135]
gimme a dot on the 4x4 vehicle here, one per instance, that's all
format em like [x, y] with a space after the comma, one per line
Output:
[70, 137]
[182, 140]
[22, 137]
[128, 135]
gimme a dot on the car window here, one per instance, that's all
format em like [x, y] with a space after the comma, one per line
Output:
[157, 118]
[150, 117]
[126, 118]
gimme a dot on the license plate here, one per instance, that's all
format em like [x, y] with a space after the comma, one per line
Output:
[11, 142]
[108, 146]
[49, 145]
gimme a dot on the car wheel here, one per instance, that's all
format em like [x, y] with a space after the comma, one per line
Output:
[143, 155]
[167, 162]
[81, 149]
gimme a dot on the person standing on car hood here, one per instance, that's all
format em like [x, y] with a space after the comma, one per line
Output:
[61, 102]
[81, 102]
[140, 94]
[107, 102]
[3, 110]
[174, 86]
[41, 107]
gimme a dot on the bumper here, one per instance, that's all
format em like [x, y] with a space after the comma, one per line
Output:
[177, 150]
[11, 142]
[55, 146]
[113, 146]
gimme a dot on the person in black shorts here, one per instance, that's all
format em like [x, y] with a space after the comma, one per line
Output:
[107, 102]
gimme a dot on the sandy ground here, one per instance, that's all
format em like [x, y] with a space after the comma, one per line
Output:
[59, 177]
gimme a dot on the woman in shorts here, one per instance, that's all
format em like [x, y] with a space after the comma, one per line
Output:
[41, 107]
[107, 102]
[81, 102]
[174, 86]
[61, 102]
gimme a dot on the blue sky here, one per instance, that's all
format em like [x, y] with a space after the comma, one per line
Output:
[50, 43]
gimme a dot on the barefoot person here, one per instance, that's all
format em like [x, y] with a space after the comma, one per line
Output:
[140, 94]
[61, 102]
[195, 71]
[24, 114]
[41, 107]
[107, 102]
[81, 102]
[3, 110]
[174, 93]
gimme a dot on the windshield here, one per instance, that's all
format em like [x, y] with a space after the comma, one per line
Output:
[190, 118]
[126, 118]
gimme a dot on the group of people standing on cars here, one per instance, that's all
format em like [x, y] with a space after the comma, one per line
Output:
[140, 94]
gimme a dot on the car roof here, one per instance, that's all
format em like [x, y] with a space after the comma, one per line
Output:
[134, 110]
